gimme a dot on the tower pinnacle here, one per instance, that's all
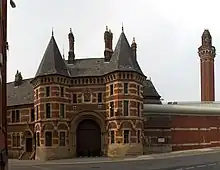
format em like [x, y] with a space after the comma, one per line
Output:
[207, 54]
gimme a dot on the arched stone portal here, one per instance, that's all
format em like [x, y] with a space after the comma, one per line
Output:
[88, 138]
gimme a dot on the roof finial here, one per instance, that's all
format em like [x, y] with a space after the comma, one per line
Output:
[63, 53]
[70, 30]
[106, 28]
[133, 40]
[122, 28]
[52, 31]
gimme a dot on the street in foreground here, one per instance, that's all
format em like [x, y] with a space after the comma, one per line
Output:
[195, 160]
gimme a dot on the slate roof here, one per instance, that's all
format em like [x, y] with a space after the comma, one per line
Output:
[149, 89]
[52, 61]
[150, 94]
[20, 95]
[88, 67]
[122, 58]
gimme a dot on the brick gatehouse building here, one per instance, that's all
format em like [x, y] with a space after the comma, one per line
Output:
[94, 106]
[80, 107]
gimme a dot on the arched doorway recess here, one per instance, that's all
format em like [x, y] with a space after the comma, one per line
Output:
[88, 138]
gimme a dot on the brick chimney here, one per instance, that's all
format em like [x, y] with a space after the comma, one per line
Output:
[108, 37]
[71, 54]
[134, 48]
[207, 54]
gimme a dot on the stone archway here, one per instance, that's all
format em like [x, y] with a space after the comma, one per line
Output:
[88, 138]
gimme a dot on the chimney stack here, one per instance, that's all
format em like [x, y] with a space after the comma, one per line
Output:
[134, 48]
[71, 54]
[108, 37]
[207, 54]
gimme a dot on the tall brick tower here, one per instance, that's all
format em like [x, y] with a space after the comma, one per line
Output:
[207, 54]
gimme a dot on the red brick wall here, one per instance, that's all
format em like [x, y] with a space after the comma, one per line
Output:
[191, 132]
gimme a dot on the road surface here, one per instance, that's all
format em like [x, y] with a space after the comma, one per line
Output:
[179, 161]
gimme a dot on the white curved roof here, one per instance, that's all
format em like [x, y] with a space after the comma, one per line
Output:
[175, 109]
[196, 103]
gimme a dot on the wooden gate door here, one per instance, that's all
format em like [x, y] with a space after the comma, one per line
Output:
[88, 138]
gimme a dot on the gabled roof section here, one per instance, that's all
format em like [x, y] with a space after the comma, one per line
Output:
[149, 90]
[52, 61]
[21, 94]
[122, 58]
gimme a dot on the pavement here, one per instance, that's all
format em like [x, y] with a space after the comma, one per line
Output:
[200, 159]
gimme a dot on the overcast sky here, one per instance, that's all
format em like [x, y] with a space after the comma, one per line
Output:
[167, 32]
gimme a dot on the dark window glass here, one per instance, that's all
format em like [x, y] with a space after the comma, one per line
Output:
[37, 113]
[61, 91]
[17, 116]
[74, 98]
[47, 91]
[13, 116]
[111, 109]
[62, 111]
[138, 136]
[138, 90]
[48, 115]
[48, 140]
[38, 139]
[18, 140]
[99, 97]
[111, 89]
[126, 108]
[62, 139]
[32, 115]
[112, 136]
[37, 94]
[126, 136]
[125, 88]
[138, 109]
